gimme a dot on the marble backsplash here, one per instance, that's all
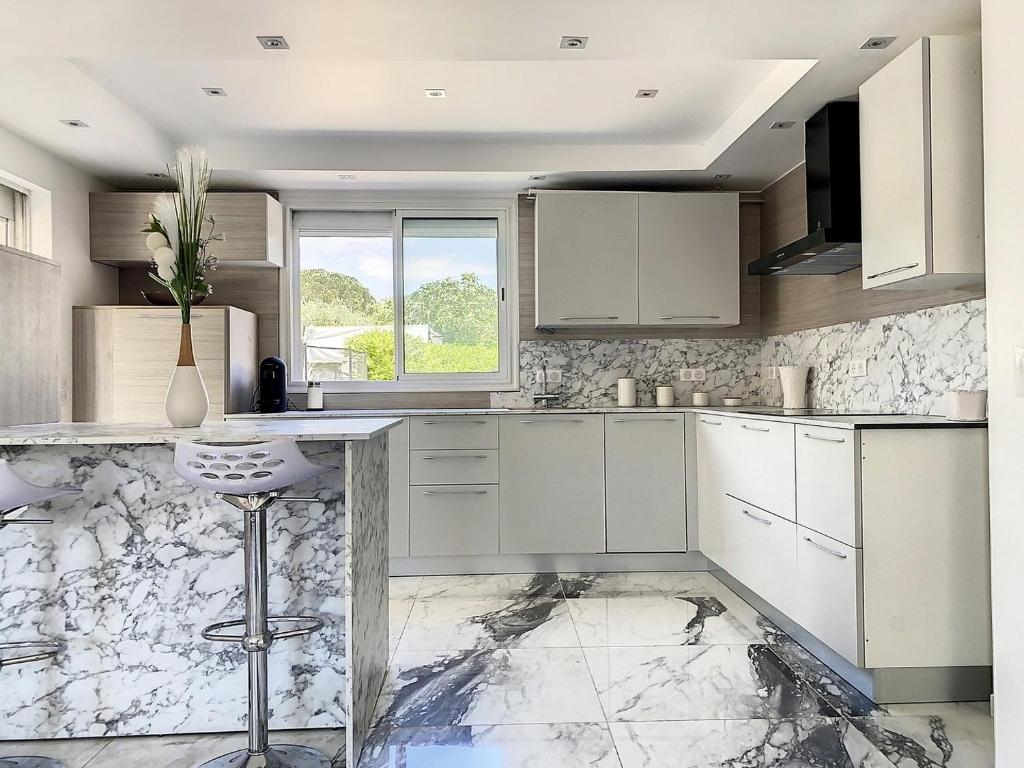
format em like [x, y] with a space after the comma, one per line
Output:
[591, 368]
[913, 359]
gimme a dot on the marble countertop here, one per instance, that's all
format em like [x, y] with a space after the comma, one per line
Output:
[247, 431]
[837, 420]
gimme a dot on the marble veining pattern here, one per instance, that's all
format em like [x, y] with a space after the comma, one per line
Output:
[129, 574]
[913, 359]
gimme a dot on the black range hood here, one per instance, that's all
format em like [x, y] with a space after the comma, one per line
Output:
[832, 162]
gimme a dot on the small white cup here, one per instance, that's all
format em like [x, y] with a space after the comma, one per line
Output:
[701, 399]
[666, 396]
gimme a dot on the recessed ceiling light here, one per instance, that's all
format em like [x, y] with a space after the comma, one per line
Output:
[215, 92]
[722, 176]
[782, 125]
[435, 93]
[877, 43]
[574, 42]
[74, 123]
[537, 178]
[157, 175]
[273, 42]
[346, 177]
[646, 93]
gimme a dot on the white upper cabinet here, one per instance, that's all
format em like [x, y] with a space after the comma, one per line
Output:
[586, 259]
[689, 259]
[921, 168]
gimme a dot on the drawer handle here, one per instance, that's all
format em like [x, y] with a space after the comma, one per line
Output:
[752, 516]
[894, 269]
[550, 421]
[823, 548]
[713, 423]
[584, 317]
[176, 316]
[452, 458]
[825, 439]
[456, 421]
[453, 493]
[636, 421]
[690, 317]
[756, 429]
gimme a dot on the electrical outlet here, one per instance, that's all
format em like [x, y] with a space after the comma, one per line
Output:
[699, 374]
[858, 368]
[685, 374]
[772, 372]
[555, 376]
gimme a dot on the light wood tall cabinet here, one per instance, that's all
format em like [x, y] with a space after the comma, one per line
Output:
[124, 357]
[922, 186]
[252, 224]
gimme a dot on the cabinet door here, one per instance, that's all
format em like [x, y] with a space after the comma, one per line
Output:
[827, 485]
[828, 599]
[894, 174]
[453, 520]
[689, 259]
[398, 490]
[763, 465]
[552, 484]
[144, 343]
[712, 460]
[586, 258]
[763, 547]
[645, 483]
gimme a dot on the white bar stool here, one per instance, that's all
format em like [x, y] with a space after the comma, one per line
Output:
[252, 478]
[16, 496]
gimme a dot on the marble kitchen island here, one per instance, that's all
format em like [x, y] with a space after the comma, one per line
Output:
[135, 567]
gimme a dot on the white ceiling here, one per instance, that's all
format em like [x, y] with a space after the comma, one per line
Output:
[348, 95]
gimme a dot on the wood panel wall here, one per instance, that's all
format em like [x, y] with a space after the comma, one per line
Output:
[30, 340]
[750, 298]
[798, 302]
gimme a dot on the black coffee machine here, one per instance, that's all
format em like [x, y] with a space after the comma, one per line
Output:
[273, 386]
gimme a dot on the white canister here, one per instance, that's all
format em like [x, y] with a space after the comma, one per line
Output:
[627, 393]
[794, 385]
[314, 396]
[701, 399]
[666, 396]
[964, 405]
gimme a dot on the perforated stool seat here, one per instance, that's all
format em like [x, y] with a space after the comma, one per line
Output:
[252, 478]
[16, 495]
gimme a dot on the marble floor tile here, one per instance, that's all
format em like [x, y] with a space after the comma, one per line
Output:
[398, 614]
[563, 745]
[699, 683]
[947, 735]
[464, 624]
[658, 620]
[794, 743]
[74, 753]
[584, 585]
[488, 687]
[400, 587]
[511, 586]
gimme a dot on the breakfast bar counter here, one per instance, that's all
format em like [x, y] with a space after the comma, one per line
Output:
[135, 566]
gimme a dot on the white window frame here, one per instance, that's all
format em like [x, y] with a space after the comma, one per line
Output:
[501, 209]
[22, 219]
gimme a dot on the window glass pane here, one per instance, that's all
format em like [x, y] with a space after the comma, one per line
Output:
[347, 310]
[450, 294]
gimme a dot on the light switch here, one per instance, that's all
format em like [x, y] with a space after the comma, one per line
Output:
[1018, 370]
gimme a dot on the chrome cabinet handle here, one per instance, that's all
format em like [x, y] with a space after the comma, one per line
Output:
[756, 429]
[825, 439]
[634, 421]
[550, 421]
[894, 269]
[452, 458]
[689, 317]
[823, 548]
[456, 421]
[175, 316]
[752, 516]
[584, 317]
[453, 493]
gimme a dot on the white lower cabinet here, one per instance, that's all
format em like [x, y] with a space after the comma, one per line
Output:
[828, 482]
[453, 520]
[828, 597]
[760, 550]
[398, 490]
[552, 484]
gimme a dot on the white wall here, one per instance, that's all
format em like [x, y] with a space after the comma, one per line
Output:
[1002, 31]
[82, 282]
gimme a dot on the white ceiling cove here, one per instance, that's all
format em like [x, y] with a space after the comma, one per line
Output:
[347, 97]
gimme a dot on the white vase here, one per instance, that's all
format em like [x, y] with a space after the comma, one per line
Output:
[187, 403]
[794, 385]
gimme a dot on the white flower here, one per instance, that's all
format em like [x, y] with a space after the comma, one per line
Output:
[165, 263]
[156, 241]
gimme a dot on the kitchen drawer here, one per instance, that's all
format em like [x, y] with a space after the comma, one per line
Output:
[827, 482]
[440, 432]
[760, 551]
[828, 599]
[763, 465]
[453, 520]
[453, 467]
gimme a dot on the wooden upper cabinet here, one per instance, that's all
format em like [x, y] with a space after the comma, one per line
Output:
[689, 259]
[922, 169]
[251, 223]
[586, 259]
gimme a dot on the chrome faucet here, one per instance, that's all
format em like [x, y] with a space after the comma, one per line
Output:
[543, 398]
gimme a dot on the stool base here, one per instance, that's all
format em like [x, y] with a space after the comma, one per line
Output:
[30, 762]
[283, 756]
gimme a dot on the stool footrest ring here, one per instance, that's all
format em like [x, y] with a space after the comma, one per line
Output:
[28, 651]
[312, 624]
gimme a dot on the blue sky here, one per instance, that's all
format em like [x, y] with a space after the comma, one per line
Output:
[369, 259]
